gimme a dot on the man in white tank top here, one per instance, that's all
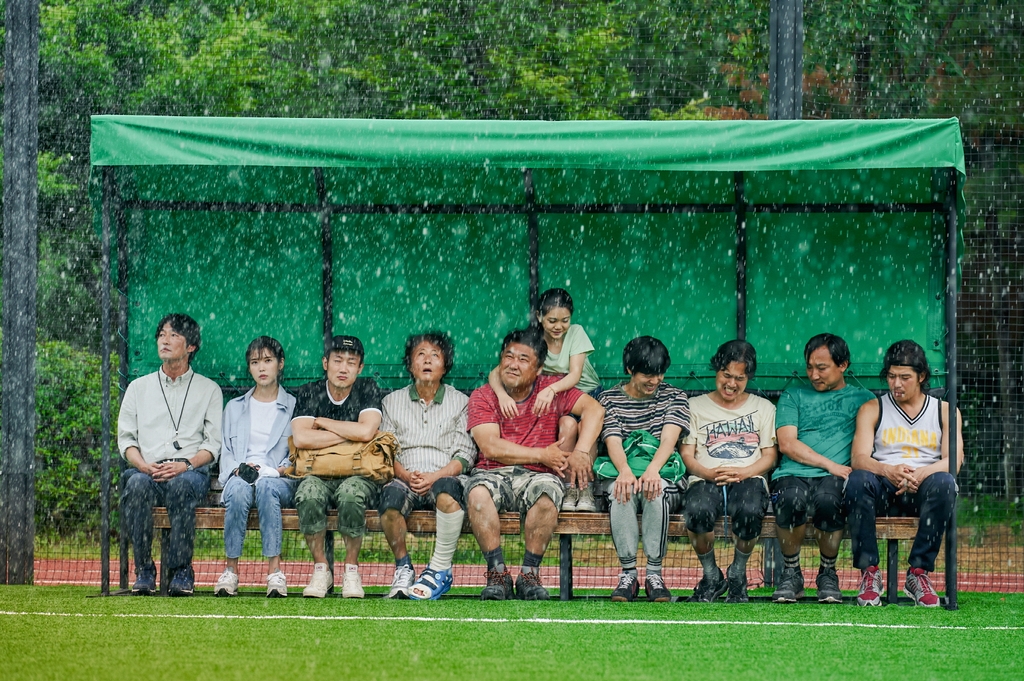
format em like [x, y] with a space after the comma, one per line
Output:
[901, 467]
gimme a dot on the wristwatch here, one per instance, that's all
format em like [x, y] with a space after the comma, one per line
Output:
[189, 466]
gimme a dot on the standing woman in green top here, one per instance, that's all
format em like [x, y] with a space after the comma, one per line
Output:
[569, 348]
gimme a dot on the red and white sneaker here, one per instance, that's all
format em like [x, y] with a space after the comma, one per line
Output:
[920, 588]
[870, 587]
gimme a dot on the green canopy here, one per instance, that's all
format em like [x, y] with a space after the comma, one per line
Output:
[691, 231]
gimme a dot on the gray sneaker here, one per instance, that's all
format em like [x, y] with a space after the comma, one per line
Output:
[828, 586]
[737, 589]
[791, 587]
[709, 590]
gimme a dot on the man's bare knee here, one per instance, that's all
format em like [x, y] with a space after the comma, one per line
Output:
[446, 503]
[480, 500]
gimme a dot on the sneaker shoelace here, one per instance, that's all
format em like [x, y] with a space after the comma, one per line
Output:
[531, 578]
[924, 583]
[494, 577]
[656, 581]
[868, 582]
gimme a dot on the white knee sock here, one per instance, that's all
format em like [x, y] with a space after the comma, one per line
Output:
[449, 527]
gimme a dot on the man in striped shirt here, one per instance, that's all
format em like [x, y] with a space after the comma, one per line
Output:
[429, 421]
[643, 403]
[522, 467]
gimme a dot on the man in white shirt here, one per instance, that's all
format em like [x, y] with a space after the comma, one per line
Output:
[168, 431]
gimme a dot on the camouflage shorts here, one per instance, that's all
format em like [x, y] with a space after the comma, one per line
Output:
[516, 489]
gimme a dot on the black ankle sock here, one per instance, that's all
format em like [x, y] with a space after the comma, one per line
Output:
[531, 561]
[827, 563]
[399, 562]
[495, 560]
[791, 561]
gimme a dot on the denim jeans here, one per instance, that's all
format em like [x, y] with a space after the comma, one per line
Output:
[270, 495]
[181, 495]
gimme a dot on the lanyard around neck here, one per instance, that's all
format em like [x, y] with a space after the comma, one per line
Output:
[177, 424]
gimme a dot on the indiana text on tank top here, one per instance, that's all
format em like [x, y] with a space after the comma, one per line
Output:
[914, 442]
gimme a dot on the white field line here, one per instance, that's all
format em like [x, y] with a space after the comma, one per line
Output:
[502, 620]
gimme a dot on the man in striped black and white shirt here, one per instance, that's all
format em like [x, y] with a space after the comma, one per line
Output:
[429, 421]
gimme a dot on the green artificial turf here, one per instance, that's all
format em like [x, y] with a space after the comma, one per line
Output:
[164, 639]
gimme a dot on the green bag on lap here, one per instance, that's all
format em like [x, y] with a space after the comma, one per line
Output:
[640, 447]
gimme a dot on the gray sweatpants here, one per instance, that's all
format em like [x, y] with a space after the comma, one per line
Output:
[626, 530]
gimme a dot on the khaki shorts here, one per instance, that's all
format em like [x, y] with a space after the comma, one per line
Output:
[516, 489]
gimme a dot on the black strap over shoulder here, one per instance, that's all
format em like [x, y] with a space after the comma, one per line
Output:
[878, 422]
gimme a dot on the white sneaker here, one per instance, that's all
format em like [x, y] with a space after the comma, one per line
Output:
[321, 584]
[227, 583]
[586, 502]
[572, 495]
[352, 585]
[403, 579]
[276, 586]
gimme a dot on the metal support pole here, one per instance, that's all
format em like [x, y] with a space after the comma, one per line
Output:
[951, 386]
[533, 237]
[741, 257]
[786, 60]
[18, 411]
[327, 246]
[108, 182]
[122, 367]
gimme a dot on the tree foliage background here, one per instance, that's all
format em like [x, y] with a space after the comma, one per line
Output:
[555, 59]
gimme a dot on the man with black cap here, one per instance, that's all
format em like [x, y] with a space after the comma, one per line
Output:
[344, 408]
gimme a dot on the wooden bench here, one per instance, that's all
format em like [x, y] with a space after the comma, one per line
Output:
[892, 530]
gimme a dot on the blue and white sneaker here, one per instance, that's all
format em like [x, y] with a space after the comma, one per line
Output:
[431, 585]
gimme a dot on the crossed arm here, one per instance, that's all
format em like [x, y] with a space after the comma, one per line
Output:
[317, 433]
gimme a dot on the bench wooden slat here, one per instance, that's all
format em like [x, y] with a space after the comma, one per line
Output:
[424, 522]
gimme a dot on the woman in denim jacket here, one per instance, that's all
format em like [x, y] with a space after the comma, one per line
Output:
[255, 443]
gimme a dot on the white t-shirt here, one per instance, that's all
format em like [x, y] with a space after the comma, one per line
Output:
[730, 437]
[261, 421]
[576, 342]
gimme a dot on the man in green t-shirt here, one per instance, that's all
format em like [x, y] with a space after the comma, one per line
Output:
[815, 426]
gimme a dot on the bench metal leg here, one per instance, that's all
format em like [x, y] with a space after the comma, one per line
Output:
[165, 577]
[892, 570]
[565, 567]
[329, 549]
[773, 563]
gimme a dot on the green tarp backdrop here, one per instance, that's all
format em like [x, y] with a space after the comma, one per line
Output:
[832, 225]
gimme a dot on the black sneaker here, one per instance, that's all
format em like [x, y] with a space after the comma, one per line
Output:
[828, 586]
[737, 589]
[499, 586]
[145, 581]
[791, 586]
[628, 588]
[708, 591]
[182, 583]
[529, 588]
[654, 587]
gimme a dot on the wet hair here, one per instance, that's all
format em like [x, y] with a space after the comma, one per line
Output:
[183, 325]
[551, 299]
[258, 345]
[531, 337]
[735, 351]
[344, 344]
[646, 355]
[436, 338]
[907, 353]
[837, 348]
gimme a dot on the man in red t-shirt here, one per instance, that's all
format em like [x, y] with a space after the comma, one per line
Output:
[521, 466]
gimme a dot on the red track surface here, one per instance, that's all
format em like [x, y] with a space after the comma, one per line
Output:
[252, 574]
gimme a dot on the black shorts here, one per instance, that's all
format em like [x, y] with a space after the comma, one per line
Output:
[818, 500]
